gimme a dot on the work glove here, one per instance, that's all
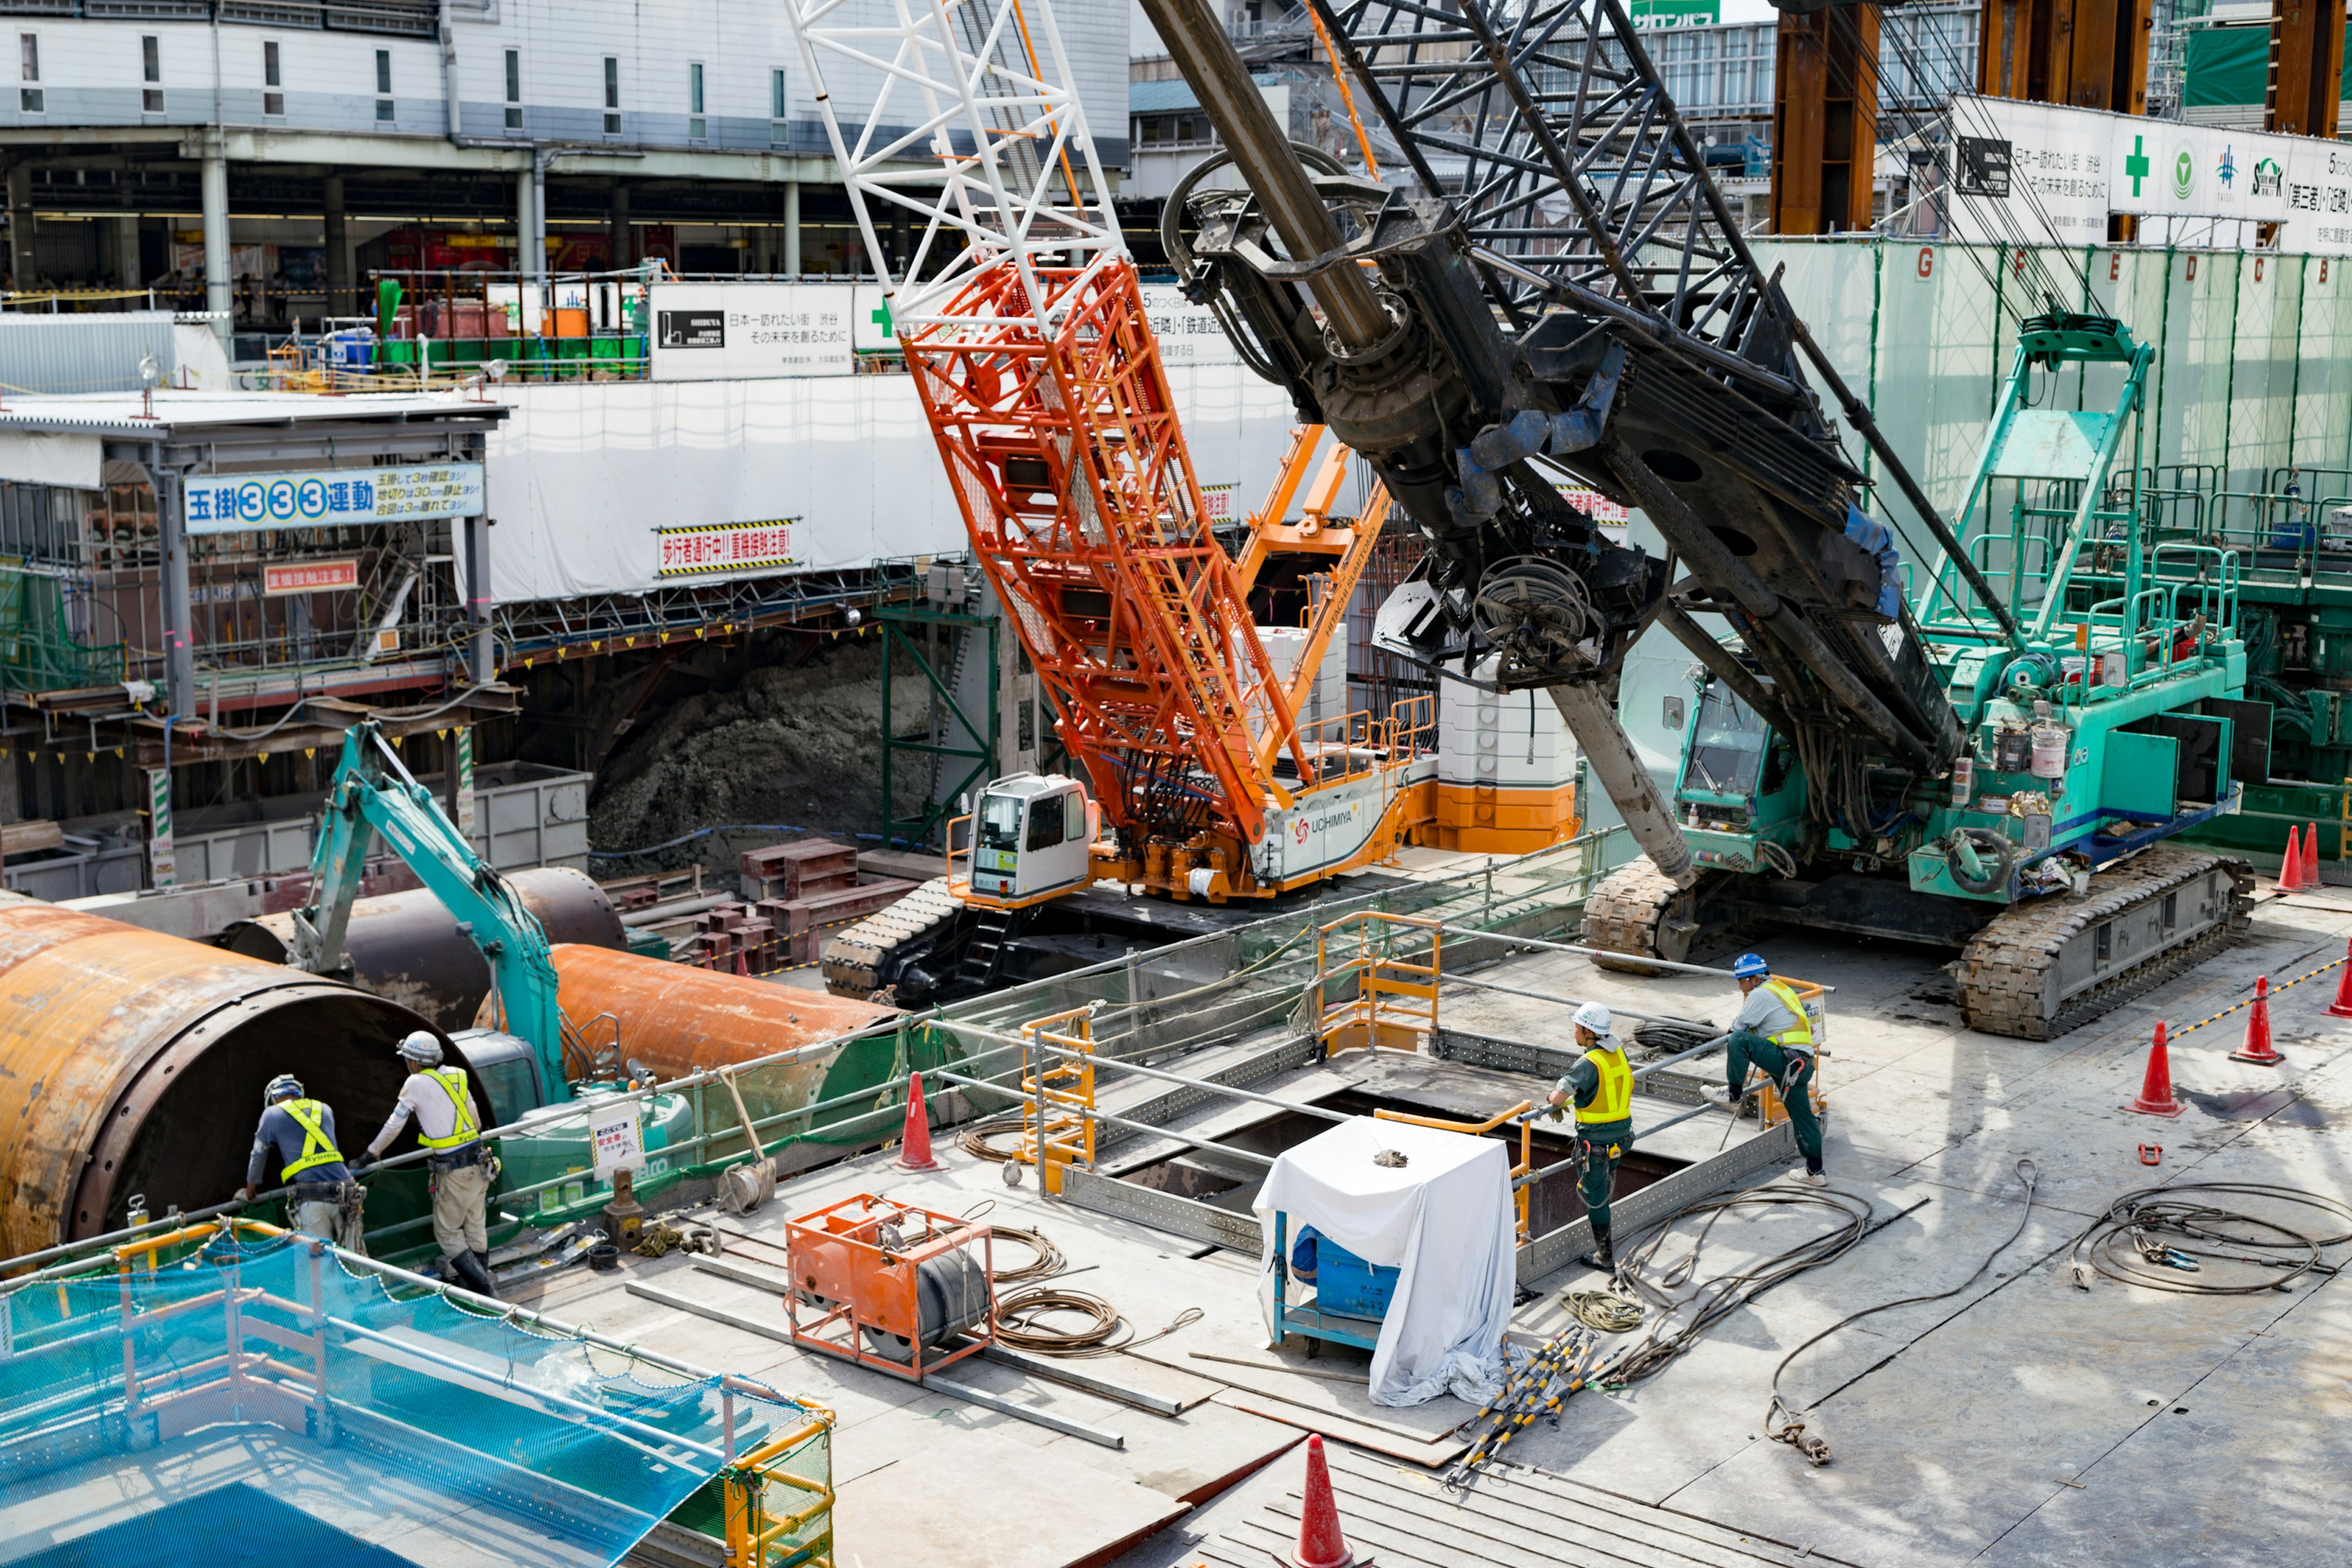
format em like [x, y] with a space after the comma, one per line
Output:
[360, 1166]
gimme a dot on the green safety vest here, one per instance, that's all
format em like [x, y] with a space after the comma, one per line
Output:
[318, 1149]
[453, 1084]
[1798, 1035]
[1613, 1099]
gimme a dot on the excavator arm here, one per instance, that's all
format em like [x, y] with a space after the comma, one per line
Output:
[373, 794]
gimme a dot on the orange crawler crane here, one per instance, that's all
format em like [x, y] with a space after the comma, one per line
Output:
[1024, 324]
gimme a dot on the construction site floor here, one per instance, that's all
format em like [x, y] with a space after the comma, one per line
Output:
[2023, 1421]
[2020, 1422]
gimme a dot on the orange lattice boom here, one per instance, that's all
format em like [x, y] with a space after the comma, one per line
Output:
[1082, 504]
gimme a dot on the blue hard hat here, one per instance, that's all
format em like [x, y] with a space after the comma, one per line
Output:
[1748, 966]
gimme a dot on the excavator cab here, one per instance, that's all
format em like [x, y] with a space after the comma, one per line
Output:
[1032, 834]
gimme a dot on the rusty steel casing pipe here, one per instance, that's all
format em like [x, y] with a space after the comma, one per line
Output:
[132, 1062]
[406, 946]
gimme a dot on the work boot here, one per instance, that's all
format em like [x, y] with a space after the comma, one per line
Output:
[489, 1281]
[1813, 1178]
[1717, 1094]
[1603, 1257]
[467, 1270]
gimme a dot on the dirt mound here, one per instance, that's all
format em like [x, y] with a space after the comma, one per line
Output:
[792, 748]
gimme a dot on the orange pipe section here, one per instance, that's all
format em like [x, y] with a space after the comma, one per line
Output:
[678, 1019]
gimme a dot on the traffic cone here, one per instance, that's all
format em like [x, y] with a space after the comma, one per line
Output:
[915, 1147]
[2342, 1007]
[2155, 1088]
[1320, 1544]
[2311, 857]
[2290, 877]
[2258, 1048]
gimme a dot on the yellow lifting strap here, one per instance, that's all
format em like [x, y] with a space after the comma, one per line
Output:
[317, 1148]
[1612, 1101]
[465, 1129]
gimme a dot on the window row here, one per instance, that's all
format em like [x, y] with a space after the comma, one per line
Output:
[32, 97]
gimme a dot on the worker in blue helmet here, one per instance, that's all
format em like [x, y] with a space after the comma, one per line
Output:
[299, 1133]
[1601, 1084]
[1774, 1034]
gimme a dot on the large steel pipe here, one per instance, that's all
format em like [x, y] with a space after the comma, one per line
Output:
[405, 946]
[678, 1019]
[132, 1062]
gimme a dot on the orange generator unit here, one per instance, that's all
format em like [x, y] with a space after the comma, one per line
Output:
[892, 1287]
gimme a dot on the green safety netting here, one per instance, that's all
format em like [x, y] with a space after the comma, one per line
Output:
[269, 1392]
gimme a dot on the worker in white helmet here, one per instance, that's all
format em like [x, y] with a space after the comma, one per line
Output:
[457, 1171]
[1601, 1084]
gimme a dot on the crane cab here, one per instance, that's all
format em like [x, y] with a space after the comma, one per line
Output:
[1030, 835]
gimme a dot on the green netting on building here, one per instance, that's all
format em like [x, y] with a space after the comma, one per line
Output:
[251, 1390]
[37, 648]
[2225, 67]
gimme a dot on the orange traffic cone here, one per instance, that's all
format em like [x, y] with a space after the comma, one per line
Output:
[2155, 1088]
[2311, 855]
[2342, 1007]
[1320, 1544]
[2258, 1048]
[915, 1147]
[2290, 877]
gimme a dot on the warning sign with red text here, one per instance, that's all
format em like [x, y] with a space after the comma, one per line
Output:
[310, 577]
[727, 547]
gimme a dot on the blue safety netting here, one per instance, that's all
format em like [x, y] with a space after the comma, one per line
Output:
[241, 1377]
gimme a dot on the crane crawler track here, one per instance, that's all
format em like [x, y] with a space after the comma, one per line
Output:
[865, 958]
[2034, 971]
[1637, 908]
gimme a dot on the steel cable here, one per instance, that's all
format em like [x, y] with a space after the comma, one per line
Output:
[1783, 1422]
[1020, 1323]
[2161, 1238]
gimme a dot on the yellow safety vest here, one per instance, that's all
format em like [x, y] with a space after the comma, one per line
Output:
[318, 1149]
[1800, 1033]
[1613, 1099]
[453, 1084]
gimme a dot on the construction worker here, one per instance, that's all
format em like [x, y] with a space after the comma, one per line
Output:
[325, 1202]
[457, 1168]
[1601, 1084]
[1774, 1033]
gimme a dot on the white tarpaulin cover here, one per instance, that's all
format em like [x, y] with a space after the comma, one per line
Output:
[1443, 1220]
[589, 481]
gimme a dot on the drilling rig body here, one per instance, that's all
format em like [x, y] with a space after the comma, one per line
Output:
[1547, 289]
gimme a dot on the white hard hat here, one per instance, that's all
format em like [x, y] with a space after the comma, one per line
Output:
[422, 1046]
[1592, 1016]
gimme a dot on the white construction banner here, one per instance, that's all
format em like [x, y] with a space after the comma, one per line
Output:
[615, 1140]
[743, 332]
[2029, 173]
[331, 498]
[595, 486]
[2022, 170]
[1188, 334]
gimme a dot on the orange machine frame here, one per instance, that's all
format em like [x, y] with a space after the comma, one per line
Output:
[838, 1258]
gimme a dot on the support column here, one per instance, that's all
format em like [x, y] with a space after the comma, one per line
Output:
[537, 266]
[128, 274]
[2306, 67]
[791, 263]
[179, 652]
[482, 656]
[526, 227]
[338, 251]
[1826, 122]
[22, 267]
[216, 281]
[625, 250]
